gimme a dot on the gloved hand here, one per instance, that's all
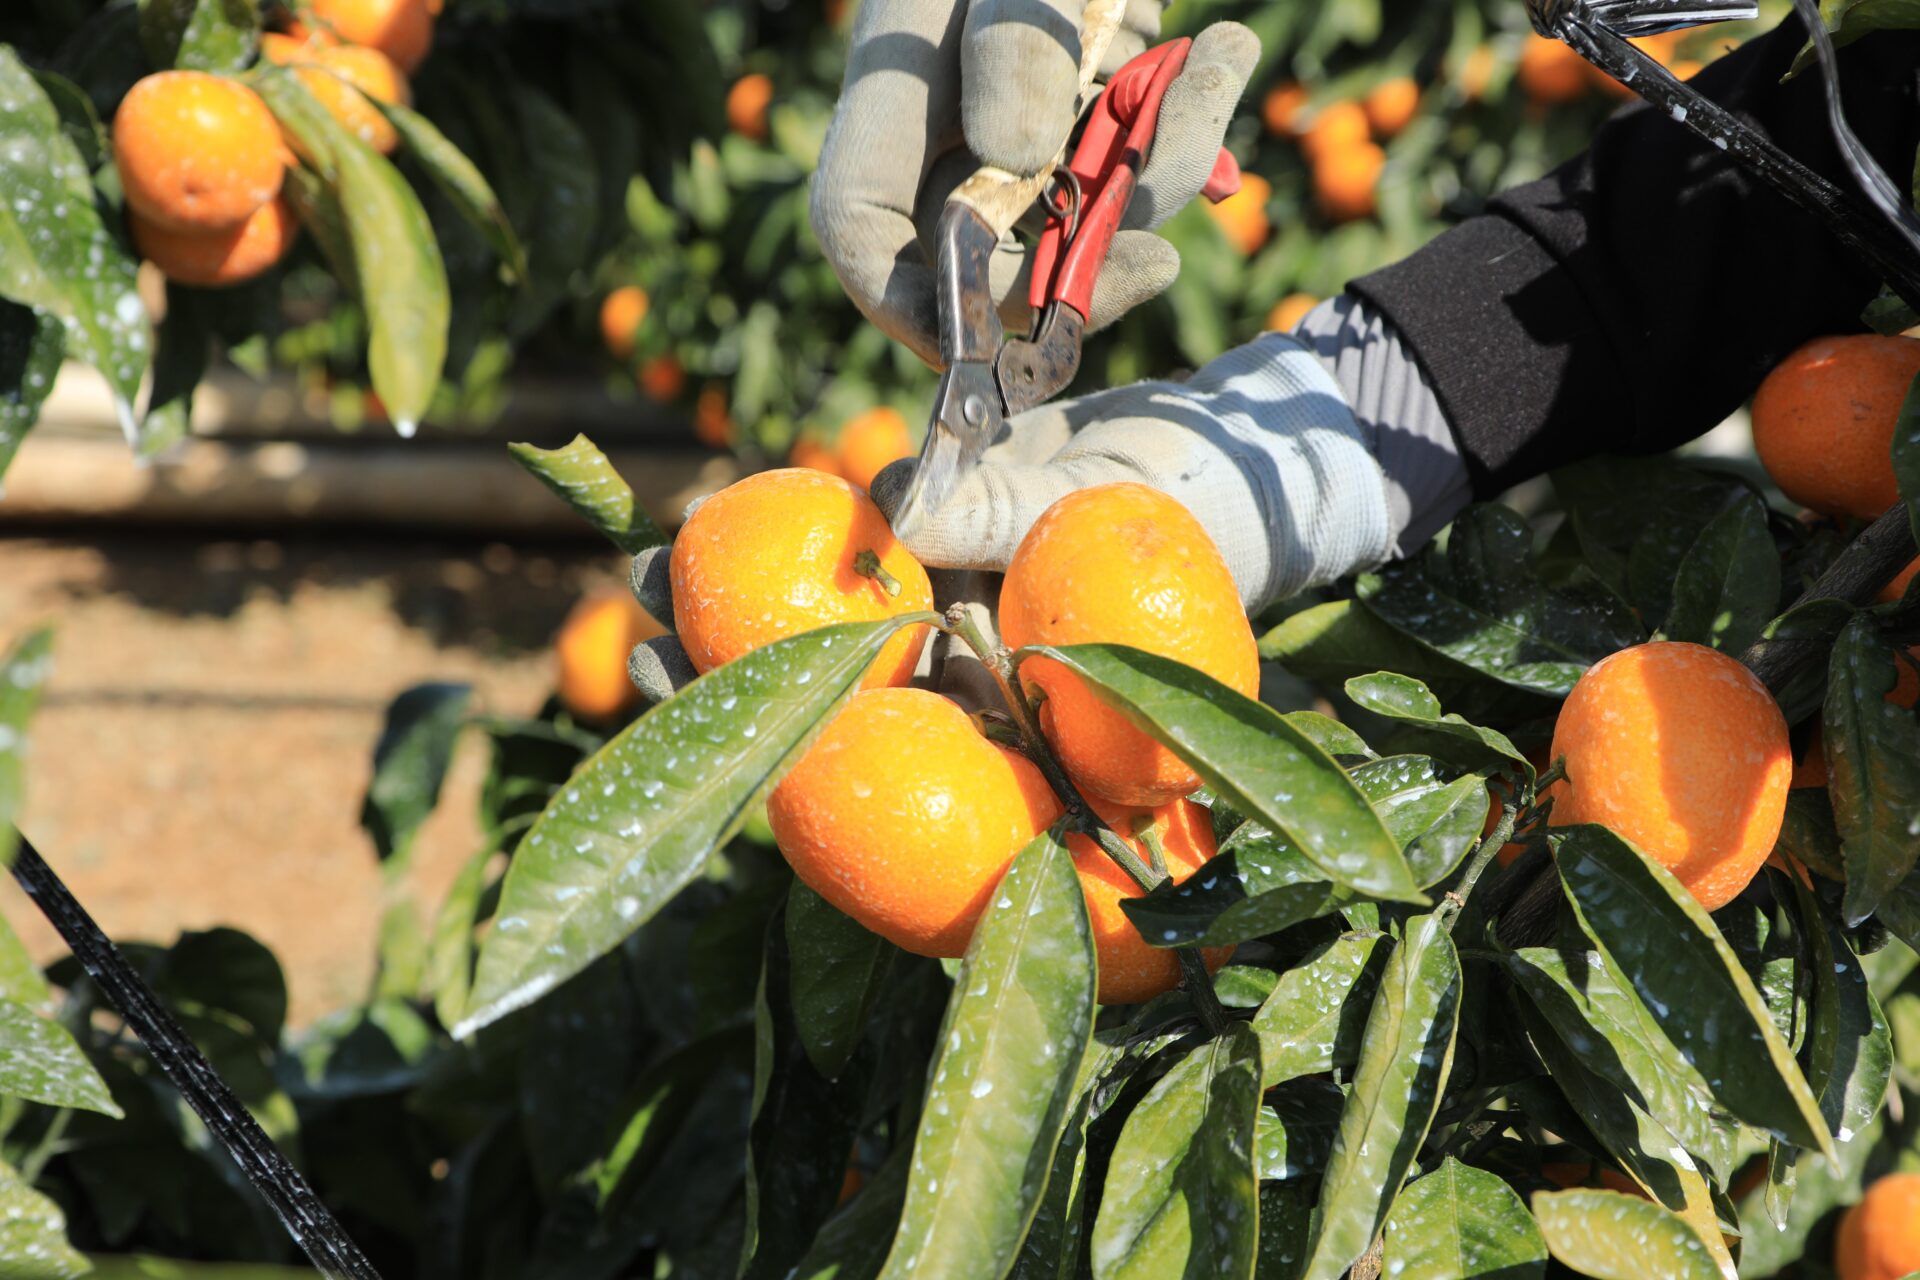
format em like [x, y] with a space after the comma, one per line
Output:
[935, 88]
[1260, 445]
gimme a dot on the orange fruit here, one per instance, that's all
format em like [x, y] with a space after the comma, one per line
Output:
[1122, 564]
[1552, 73]
[1290, 311]
[904, 817]
[776, 554]
[1392, 105]
[1130, 969]
[1879, 1238]
[663, 378]
[1345, 182]
[810, 453]
[211, 259]
[747, 102]
[1338, 126]
[1823, 422]
[196, 152]
[1682, 751]
[712, 424]
[591, 653]
[1897, 589]
[1476, 73]
[1280, 110]
[401, 29]
[341, 78]
[871, 440]
[620, 315]
[1243, 215]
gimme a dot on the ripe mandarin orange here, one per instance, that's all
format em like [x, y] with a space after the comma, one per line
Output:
[869, 441]
[1551, 73]
[1122, 564]
[620, 315]
[211, 259]
[591, 653]
[1130, 969]
[1681, 750]
[1346, 182]
[1879, 1238]
[903, 816]
[1280, 110]
[747, 103]
[1290, 311]
[712, 424]
[663, 378]
[401, 29]
[810, 453]
[196, 152]
[341, 78]
[1392, 105]
[1243, 215]
[1338, 126]
[1823, 422]
[775, 554]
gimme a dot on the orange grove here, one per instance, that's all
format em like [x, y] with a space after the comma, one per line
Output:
[211, 259]
[1346, 182]
[1879, 1238]
[871, 440]
[401, 29]
[1682, 751]
[591, 653]
[621, 313]
[747, 103]
[1392, 105]
[196, 152]
[1823, 422]
[779, 553]
[1242, 216]
[1122, 564]
[1290, 311]
[904, 817]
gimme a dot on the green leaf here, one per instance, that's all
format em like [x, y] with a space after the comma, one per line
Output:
[1406, 700]
[1729, 584]
[1653, 933]
[638, 820]
[1329, 735]
[449, 974]
[1294, 1135]
[1001, 1083]
[656, 1110]
[20, 979]
[1435, 814]
[185, 350]
[199, 35]
[1333, 642]
[460, 180]
[1462, 1223]
[40, 1062]
[1480, 602]
[1253, 759]
[561, 234]
[56, 255]
[853, 1244]
[586, 480]
[1181, 1197]
[410, 762]
[1319, 1009]
[838, 966]
[1849, 1050]
[1257, 884]
[1873, 767]
[31, 347]
[1611, 1236]
[1405, 1058]
[23, 677]
[1807, 832]
[1848, 20]
[33, 1234]
[1286, 1222]
[584, 1045]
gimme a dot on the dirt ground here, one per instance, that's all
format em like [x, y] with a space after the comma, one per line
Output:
[206, 738]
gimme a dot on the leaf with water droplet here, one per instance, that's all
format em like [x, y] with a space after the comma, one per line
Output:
[40, 1062]
[596, 867]
[1461, 1223]
[23, 678]
[1002, 1082]
[410, 762]
[33, 1233]
[1402, 698]
[1406, 1055]
[1333, 642]
[838, 966]
[200, 35]
[1295, 1132]
[582, 475]
[1728, 586]
[1873, 766]
[1181, 1195]
[1849, 1049]
[1611, 1236]
[1252, 758]
[1317, 1014]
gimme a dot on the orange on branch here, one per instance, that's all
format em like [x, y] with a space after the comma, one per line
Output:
[1280, 109]
[1243, 215]
[197, 152]
[1879, 1238]
[871, 440]
[781, 552]
[401, 29]
[1823, 422]
[1682, 751]
[1338, 126]
[212, 259]
[1122, 564]
[747, 103]
[1346, 183]
[591, 653]
[621, 313]
[1392, 105]
[904, 817]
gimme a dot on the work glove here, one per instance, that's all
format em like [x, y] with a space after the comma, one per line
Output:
[935, 88]
[1259, 445]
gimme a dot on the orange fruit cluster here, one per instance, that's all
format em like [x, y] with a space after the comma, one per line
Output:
[1823, 422]
[1341, 140]
[1879, 1238]
[866, 444]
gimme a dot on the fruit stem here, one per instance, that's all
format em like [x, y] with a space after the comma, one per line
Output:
[867, 565]
[1110, 842]
[1555, 772]
[1145, 832]
[1483, 854]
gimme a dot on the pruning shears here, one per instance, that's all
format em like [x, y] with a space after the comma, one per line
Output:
[989, 376]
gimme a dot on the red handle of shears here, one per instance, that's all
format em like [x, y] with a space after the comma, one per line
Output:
[1106, 164]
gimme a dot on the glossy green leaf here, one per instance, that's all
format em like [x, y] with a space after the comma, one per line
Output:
[1610, 1236]
[1848, 20]
[1462, 1223]
[78, 117]
[1873, 767]
[410, 762]
[56, 254]
[1406, 700]
[20, 980]
[854, 1242]
[40, 1062]
[1434, 813]
[1480, 602]
[23, 678]
[586, 480]
[460, 180]
[657, 1109]
[179, 364]
[1406, 1055]
[1054, 1240]
[1257, 884]
[450, 945]
[1001, 1083]
[1807, 832]
[1319, 1009]
[1328, 734]
[1656, 936]
[1251, 757]
[838, 966]
[1849, 1049]
[1729, 583]
[1286, 1224]
[30, 350]
[1181, 1197]
[1294, 1134]
[1333, 642]
[638, 820]
[33, 1234]
[200, 35]
[584, 1045]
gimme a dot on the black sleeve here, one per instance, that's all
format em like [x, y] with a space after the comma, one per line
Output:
[1634, 297]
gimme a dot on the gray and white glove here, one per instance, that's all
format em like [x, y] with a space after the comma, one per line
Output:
[935, 88]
